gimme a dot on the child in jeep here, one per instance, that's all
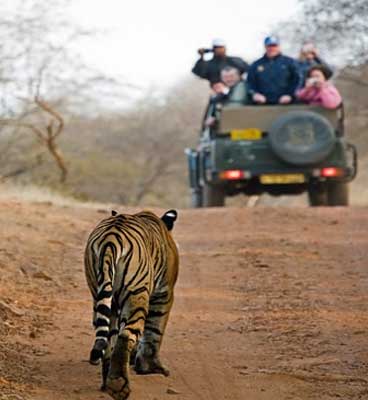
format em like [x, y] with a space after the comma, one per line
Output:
[318, 89]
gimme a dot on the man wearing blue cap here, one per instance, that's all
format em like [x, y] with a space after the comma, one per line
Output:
[211, 69]
[274, 78]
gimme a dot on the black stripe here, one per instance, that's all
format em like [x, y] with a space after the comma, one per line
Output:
[134, 321]
[152, 329]
[135, 332]
[136, 311]
[154, 314]
[138, 291]
[104, 334]
[160, 303]
[158, 296]
[105, 294]
[104, 310]
[102, 322]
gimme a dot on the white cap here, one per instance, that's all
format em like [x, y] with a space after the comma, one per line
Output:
[218, 42]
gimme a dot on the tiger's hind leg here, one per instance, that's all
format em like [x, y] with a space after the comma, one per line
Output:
[147, 359]
[134, 313]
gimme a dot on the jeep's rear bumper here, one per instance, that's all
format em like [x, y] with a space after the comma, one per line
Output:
[240, 166]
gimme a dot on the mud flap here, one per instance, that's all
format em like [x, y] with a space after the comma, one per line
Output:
[193, 168]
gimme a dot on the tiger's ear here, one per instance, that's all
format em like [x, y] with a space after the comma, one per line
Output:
[169, 218]
[113, 213]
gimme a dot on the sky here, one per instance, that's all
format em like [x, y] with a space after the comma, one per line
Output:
[154, 43]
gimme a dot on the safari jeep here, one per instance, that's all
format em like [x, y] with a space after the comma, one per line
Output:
[280, 150]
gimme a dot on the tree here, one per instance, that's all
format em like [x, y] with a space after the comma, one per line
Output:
[338, 26]
[39, 59]
[135, 156]
[47, 137]
[160, 129]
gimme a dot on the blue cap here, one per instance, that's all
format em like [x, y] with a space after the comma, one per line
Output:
[272, 41]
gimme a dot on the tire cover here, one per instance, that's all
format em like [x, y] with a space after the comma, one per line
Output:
[302, 137]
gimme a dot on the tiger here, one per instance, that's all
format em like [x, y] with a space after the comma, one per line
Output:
[131, 267]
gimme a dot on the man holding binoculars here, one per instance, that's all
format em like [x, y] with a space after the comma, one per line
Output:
[211, 69]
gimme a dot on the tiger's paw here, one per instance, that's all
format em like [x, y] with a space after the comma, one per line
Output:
[118, 388]
[146, 366]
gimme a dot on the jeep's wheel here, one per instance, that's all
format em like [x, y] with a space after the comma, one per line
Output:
[338, 194]
[317, 195]
[197, 198]
[213, 196]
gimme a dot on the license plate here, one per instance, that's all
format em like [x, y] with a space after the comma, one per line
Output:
[246, 134]
[278, 179]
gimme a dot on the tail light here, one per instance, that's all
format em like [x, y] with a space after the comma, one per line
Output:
[332, 172]
[232, 175]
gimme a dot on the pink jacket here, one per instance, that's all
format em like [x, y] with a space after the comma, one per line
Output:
[326, 96]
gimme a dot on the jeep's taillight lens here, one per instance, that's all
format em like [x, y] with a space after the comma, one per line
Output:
[232, 174]
[332, 172]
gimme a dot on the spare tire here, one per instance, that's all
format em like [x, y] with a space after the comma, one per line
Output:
[302, 137]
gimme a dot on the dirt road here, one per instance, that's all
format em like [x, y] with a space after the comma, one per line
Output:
[271, 304]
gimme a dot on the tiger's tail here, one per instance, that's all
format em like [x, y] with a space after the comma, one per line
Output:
[105, 280]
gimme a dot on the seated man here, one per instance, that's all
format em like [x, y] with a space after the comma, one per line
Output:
[211, 69]
[231, 91]
[274, 78]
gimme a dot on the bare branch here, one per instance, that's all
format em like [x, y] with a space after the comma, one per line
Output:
[55, 114]
[48, 137]
[13, 174]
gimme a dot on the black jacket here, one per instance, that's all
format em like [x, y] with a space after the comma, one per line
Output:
[211, 69]
[274, 77]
